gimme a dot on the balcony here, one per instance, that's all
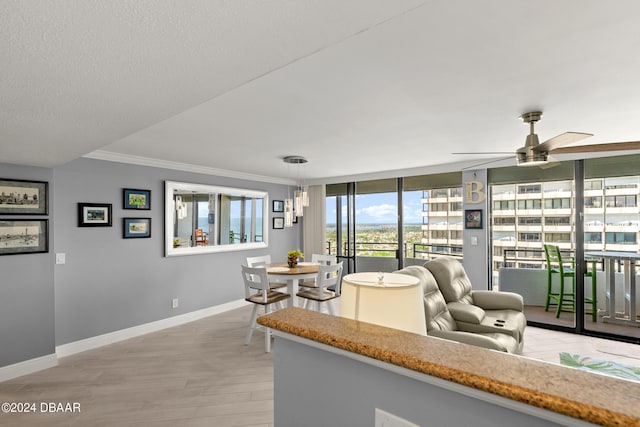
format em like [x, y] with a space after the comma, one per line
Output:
[504, 212]
[593, 210]
[528, 227]
[530, 212]
[504, 196]
[595, 226]
[624, 226]
[559, 211]
[622, 210]
[439, 226]
[504, 227]
[630, 191]
[557, 228]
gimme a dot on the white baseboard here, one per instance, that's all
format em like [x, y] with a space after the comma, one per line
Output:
[28, 367]
[51, 360]
[135, 331]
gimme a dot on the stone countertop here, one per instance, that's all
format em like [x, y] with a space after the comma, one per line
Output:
[591, 397]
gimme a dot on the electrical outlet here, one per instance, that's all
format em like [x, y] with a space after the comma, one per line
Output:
[385, 419]
[174, 303]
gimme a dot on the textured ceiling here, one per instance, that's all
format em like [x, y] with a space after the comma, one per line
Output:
[356, 86]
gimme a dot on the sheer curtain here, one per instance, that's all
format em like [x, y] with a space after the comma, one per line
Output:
[314, 228]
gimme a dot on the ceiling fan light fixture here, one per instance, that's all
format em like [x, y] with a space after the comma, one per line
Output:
[528, 157]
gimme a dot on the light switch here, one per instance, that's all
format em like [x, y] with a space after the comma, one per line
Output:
[61, 258]
[474, 240]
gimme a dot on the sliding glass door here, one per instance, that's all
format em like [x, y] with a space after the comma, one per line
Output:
[340, 226]
[377, 246]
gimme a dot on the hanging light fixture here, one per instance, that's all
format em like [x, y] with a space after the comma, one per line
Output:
[300, 195]
[288, 212]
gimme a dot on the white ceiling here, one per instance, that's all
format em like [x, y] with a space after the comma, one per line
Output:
[356, 86]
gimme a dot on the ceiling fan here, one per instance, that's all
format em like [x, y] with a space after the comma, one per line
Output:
[534, 153]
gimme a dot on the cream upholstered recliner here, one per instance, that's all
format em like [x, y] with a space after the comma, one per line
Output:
[441, 324]
[479, 310]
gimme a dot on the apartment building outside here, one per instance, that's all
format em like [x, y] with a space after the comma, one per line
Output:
[525, 216]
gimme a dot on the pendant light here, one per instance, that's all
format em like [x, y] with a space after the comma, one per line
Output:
[300, 195]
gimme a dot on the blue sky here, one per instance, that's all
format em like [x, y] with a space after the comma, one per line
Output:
[381, 208]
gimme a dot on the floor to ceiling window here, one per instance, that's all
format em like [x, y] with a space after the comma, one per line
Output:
[441, 212]
[532, 207]
[384, 225]
[391, 223]
[340, 226]
[611, 224]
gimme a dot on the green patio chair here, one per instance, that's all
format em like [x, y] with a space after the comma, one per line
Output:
[565, 298]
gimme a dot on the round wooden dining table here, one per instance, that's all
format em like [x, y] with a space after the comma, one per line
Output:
[292, 276]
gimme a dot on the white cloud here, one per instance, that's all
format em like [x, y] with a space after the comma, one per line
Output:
[384, 213]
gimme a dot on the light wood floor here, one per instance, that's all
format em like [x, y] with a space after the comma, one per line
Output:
[200, 374]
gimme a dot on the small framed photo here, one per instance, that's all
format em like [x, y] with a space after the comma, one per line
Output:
[23, 197]
[473, 218]
[136, 199]
[278, 222]
[21, 236]
[278, 205]
[136, 228]
[94, 215]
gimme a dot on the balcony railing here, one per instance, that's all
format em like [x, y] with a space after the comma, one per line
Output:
[390, 249]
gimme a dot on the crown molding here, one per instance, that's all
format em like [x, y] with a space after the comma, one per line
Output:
[110, 156]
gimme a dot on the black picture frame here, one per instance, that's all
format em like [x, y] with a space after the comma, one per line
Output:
[19, 197]
[278, 206]
[473, 219]
[136, 199]
[94, 215]
[24, 236]
[278, 223]
[136, 228]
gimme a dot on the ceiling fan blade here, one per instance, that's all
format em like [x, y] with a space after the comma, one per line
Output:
[486, 163]
[561, 140]
[595, 148]
[487, 152]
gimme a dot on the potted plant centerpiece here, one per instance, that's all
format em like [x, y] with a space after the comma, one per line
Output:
[292, 257]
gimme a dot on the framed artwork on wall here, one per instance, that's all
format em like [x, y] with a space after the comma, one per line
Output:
[94, 214]
[136, 199]
[22, 236]
[278, 222]
[473, 219]
[136, 228]
[23, 197]
[278, 206]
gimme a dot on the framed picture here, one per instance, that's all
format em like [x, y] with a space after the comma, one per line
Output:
[136, 199]
[278, 222]
[94, 214]
[136, 228]
[23, 197]
[23, 236]
[473, 218]
[295, 218]
[278, 206]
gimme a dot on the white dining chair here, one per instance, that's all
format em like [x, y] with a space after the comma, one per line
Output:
[258, 292]
[262, 261]
[322, 260]
[328, 287]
